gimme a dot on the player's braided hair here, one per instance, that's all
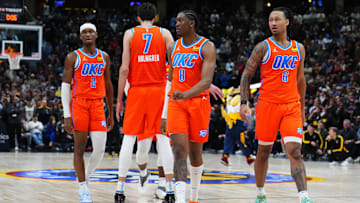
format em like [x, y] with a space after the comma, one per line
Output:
[191, 15]
[146, 11]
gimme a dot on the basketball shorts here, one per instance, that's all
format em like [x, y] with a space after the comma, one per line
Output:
[143, 111]
[272, 117]
[190, 117]
[88, 114]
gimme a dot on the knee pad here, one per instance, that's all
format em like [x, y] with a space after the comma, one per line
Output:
[165, 153]
[159, 161]
[125, 154]
[142, 153]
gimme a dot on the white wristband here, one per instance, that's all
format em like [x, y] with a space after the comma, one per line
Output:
[166, 100]
[65, 99]
[127, 87]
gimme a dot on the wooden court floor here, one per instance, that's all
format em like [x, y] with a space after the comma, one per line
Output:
[328, 184]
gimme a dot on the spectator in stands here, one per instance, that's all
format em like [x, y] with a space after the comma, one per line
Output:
[334, 147]
[322, 130]
[64, 140]
[25, 133]
[57, 112]
[44, 111]
[50, 131]
[29, 110]
[350, 136]
[36, 128]
[3, 128]
[13, 112]
[313, 143]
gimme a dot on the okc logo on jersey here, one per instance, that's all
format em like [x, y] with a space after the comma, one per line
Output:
[203, 133]
[285, 62]
[300, 131]
[92, 69]
[184, 60]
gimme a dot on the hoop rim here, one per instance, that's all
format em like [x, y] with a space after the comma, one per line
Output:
[12, 55]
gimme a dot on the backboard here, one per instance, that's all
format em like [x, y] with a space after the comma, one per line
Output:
[26, 39]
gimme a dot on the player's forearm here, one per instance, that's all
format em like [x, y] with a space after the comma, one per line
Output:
[65, 99]
[123, 74]
[244, 85]
[201, 86]
[302, 90]
[110, 97]
[166, 100]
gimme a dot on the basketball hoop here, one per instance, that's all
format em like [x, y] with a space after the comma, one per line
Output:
[14, 59]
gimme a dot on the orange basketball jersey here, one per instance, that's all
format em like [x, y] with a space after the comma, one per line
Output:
[187, 63]
[88, 80]
[148, 56]
[279, 72]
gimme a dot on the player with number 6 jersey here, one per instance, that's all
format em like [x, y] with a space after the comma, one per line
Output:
[279, 72]
[281, 104]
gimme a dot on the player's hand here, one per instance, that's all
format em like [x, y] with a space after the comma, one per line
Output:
[163, 126]
[110, 122]
[119, 106]
[319, 152]
[216, 92]
[244, 110]
[68, 125]
[313, 143]
[177, 95]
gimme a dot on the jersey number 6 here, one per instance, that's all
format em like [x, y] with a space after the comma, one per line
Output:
[285, 76]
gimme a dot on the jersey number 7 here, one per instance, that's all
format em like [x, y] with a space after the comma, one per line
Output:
[148, 38]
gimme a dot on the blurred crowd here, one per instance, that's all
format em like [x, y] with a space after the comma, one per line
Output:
[30, 107]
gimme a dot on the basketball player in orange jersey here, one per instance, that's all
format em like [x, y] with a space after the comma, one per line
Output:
[143, 65]
[281, 102]
[193, 62]
[88, 69]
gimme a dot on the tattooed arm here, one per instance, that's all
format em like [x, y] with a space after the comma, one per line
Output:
[255, 59]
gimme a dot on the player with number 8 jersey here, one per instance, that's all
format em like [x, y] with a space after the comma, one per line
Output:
[187, 62]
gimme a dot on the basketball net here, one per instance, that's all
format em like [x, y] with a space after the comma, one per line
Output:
[14, 59]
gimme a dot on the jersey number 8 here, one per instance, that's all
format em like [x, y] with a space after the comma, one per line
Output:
[181, 75]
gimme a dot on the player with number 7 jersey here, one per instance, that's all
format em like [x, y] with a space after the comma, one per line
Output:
[145, 48]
